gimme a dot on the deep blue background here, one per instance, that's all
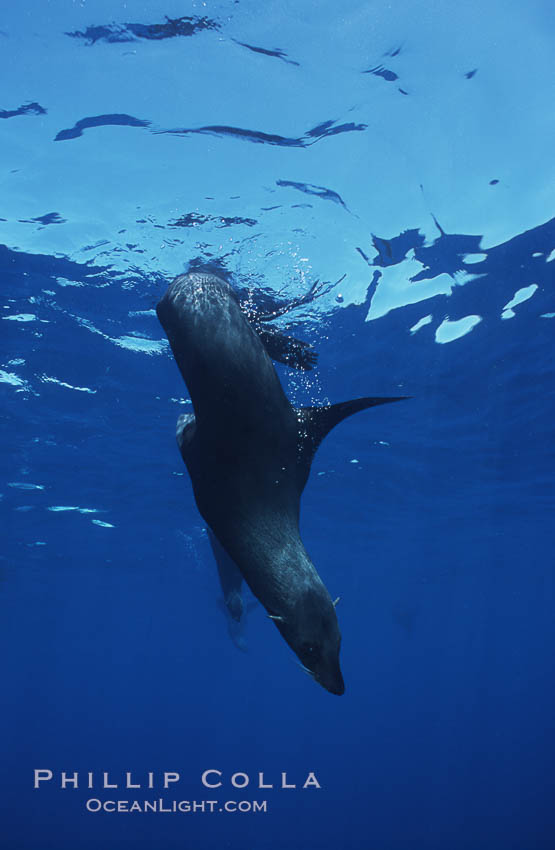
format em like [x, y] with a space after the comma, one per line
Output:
[432, 519]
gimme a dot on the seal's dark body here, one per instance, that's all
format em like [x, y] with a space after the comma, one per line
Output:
[248, 452]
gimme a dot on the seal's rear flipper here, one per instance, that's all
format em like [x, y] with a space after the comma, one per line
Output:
[286, 349]
[316, 422]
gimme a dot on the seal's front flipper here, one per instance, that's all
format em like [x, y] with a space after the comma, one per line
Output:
[316, 422]
[184, 432]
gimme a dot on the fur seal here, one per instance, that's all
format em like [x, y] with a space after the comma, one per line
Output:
[248, 452]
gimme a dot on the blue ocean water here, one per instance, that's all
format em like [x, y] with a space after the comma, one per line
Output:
[404, 154]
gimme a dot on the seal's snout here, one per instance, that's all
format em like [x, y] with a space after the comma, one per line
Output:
[312, 631]
[338, 687]
[331, 680]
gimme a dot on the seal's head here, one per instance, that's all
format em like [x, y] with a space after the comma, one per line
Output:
[312, 631]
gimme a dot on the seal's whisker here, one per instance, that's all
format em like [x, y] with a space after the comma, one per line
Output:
[305, 669]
